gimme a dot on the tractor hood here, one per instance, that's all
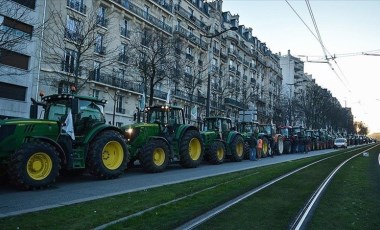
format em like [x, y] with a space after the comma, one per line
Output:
[134, 130]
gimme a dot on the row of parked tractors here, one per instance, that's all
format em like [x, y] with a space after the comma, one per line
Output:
[73, 137]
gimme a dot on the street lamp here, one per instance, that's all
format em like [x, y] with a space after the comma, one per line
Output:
[115, 100]
[233, 28]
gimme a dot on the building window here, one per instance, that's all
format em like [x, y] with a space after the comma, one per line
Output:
[15, 27]
[119, 105]
[14, 92]
[28, 3]
[77, 5]
[11, 58]
[189, 50]
[69, 62]
[123, 54]
[99, 47]
[64, 87]
[95, 93]
[124, 28]
[96, 71]
[73, 29]
[101, 16]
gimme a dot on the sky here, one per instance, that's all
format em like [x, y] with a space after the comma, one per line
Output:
[347, 29]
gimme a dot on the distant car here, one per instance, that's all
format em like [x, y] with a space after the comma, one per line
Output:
[340, 143]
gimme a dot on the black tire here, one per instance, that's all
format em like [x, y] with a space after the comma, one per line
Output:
[237, 149]
[191, 149]
[217, 153]
[154, 156]
[34, 166]
[247, 151]
[287, 147]
[107, 157]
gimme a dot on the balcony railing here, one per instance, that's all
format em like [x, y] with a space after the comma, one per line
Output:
[115, 81]
[78, 6]
[186, 14]
[143, 14]
[165, 5]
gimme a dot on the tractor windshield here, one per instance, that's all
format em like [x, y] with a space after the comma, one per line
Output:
[92, 110]
[284, 132]
[57, 110]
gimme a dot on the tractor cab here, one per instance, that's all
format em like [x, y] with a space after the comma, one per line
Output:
[79, 113]
[222, 125]
[169, 118]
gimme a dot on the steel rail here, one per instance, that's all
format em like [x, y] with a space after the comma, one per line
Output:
[307, 211]
[203, 218]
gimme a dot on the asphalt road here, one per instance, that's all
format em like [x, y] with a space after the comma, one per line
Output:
[84, 188]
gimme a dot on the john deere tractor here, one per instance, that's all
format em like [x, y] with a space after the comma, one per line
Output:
[164, 138]
[247, 129]
[71, 137]
[221, 141]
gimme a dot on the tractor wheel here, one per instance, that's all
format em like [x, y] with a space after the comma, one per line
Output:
[287, 147]
[237, 149]
[280, 145]
[266, 147]
[154, 156]
[247, 151]
[34, 166]
[107, 157]
[191, 149]
[217, 153]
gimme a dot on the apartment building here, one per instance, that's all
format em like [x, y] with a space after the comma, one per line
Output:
[107, 49]
[19, 55]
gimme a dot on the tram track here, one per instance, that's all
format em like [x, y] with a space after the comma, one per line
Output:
[306, 211]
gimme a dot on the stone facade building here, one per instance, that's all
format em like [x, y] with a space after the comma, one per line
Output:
[106, 48]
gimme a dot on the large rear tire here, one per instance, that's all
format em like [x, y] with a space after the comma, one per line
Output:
[247, 151]
[108, 155]
[191, 149]
[280, 145]
[34, 166]
[154, 156]
[237, 149]
[217, 153]
[266, 147]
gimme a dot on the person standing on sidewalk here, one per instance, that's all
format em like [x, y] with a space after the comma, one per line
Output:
[259, 148]
[252, 145]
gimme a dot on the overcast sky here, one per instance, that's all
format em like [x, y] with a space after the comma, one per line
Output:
[347, 29]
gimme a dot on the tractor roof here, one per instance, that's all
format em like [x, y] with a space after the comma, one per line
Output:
[55, 97]
[215, 118]
[165, 107]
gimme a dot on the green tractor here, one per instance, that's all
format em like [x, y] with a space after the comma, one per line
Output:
[221, 141]
[72, 137]
[247, 129]
[164, 138]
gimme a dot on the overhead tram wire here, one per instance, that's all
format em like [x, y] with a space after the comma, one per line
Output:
[318, 41]
[324, 49]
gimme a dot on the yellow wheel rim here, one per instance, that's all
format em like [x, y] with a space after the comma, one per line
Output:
[113, 155]
[240, 149]
[39, 166]
[195, 149]
[265, 149]
[220, 153]
[159, 156]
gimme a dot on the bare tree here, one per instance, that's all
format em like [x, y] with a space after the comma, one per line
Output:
[78, 48]
[153, 54]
